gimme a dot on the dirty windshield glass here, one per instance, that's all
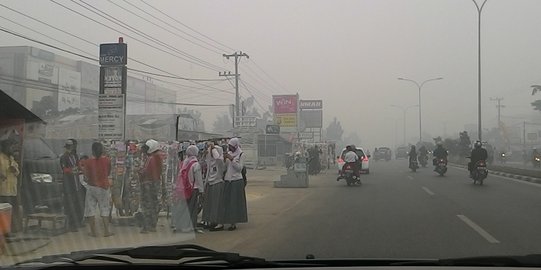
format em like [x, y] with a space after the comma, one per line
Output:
[224, 124]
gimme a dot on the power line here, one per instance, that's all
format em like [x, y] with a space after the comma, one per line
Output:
[175, 77]
[26, 83]
[172, 26]
[177, 21]
[79, 38]
[262, 70]
[45, 44]
[120, 23]
[128, 35]
[256, 101]
[96, 60]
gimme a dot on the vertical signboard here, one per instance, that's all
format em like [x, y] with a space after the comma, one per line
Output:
[285, 108]
[112, 98]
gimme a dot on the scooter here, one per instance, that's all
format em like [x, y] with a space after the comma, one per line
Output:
[414, 165]
[479, 172]
[441, 166]
[348, 173]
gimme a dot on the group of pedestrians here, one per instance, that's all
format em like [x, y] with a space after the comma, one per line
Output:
[86, 188]
[219, 192]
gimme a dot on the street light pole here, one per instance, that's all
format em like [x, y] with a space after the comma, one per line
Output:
[420, 86]
[404, 111]
[479, 10]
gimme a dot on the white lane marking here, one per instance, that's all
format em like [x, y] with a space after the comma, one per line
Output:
[479, 230]
[410, 177]
[506, 178]
[428, 191]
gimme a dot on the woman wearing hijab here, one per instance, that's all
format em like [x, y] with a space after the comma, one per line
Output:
[213, 208]
[235, 210]
[186, 193]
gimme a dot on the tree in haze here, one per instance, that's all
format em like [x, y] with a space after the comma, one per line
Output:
[536, 104]
[222, 124]
[199, 124]
[334, 131]
[464, 144]
[45, 107]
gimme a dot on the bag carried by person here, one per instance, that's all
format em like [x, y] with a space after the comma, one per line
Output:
[184, 188]
[243, 172]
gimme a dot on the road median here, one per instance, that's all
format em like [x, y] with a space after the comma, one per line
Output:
[528, 175]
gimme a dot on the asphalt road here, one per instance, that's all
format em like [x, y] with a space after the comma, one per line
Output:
[394, 214]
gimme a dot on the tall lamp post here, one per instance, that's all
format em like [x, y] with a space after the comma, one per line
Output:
[420, 86]
[479, 10]
[404, 111]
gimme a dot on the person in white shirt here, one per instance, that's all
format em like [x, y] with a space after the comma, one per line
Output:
[351, 157]
[235, 210]
[213, 206]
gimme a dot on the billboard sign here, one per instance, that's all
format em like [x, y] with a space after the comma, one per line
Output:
[272, 129]
[42, 71]
[286, 120]
[69, 89]
[311, 104]
[284, 104]
[113, 54]
[245, 121]
[311, 118]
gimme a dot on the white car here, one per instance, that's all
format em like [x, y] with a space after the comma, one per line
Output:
[362, 156]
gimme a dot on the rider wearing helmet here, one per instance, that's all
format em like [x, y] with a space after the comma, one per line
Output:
[477, 153]
[439, 153]
[351, 157]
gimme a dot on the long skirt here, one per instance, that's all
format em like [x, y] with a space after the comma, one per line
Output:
[181, 220]
[213, 206]
[184, 213]
[150, 204]
[235, 210]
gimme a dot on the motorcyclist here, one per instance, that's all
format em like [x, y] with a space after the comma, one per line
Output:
[439, 153]
[412, 154]
[478, 153]
[350, 157]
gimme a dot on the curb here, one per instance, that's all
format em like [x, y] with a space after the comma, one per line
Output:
[509, 175]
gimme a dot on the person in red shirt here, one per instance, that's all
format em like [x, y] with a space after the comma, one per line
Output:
[150, 185]
[98, 195]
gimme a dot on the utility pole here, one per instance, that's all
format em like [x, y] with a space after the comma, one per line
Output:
[499, 106]
[238, 56]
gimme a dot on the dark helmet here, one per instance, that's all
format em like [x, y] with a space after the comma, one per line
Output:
[478, 144]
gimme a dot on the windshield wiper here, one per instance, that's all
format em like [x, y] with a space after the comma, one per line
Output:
[193, 254]
[532, 260]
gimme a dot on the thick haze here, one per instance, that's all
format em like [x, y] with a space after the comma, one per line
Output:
[348, 53]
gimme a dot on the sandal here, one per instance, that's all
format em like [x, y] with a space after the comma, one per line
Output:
[92, 235]
[232, 228]
[109, 234]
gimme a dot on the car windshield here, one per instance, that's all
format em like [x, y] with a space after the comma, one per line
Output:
[224, 124]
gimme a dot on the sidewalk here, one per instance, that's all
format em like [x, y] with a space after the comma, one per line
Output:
[259, 186]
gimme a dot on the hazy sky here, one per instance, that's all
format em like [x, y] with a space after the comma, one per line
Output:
[348, 53]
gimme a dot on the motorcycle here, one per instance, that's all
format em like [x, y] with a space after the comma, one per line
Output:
[479, 172]
[413, 165]
[503, 158]
[536, 161]
[349, 174]
[423, 160]
[441, 166]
